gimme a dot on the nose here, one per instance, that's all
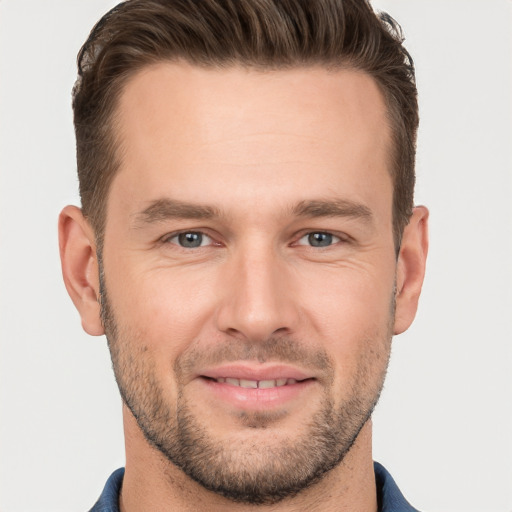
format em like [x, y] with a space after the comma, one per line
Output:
[257, 299]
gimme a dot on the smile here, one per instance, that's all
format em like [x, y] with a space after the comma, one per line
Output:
[256, 384]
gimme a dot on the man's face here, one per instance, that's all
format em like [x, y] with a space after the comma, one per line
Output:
[249, 269]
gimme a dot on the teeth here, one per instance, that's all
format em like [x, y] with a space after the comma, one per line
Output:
[248, 383]
[254, 384]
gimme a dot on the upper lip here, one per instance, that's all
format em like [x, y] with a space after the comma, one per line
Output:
[250, 371]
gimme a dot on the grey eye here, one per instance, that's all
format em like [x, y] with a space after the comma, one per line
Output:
[190, 240]
[319, 239]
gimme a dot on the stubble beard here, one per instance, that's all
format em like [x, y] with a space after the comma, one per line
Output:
[244, 471]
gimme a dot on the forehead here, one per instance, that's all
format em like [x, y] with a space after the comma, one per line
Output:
[193, 100]
[185, 128]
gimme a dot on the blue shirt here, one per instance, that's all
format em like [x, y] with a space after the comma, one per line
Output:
[389, 497]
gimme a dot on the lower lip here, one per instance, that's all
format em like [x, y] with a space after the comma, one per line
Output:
[261, 399]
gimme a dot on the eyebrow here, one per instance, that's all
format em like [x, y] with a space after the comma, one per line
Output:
[164, 209]
[333, 208]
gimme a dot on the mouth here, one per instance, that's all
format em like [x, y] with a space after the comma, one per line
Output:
[256, 387]
[255, 384]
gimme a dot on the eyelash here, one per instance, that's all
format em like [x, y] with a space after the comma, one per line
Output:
[168, 239]
[334, 239]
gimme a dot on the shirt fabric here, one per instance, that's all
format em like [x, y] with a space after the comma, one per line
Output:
[389, 497]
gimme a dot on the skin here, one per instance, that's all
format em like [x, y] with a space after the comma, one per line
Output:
[252, 146]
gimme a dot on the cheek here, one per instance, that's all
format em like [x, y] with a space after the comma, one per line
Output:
[352, 314]
[349, 301]
[167, 309]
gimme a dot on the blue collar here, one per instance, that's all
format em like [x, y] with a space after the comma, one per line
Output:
[389, 497]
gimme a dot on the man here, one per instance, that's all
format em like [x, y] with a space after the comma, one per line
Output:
[248, 244]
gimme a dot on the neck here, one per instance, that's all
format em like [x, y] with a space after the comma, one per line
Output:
[153, 483]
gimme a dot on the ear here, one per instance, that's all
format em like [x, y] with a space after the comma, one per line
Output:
[80, 267]
[411, 268]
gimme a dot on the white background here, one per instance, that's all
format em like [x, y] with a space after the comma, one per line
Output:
[444, 425]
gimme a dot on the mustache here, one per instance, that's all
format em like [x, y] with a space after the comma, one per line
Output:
[284, 350]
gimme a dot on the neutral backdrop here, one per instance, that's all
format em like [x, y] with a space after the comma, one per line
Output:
[444, 424]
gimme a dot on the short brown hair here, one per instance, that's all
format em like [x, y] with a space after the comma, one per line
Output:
[269, 34]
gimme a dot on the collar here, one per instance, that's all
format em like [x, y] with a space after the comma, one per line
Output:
[389, 497]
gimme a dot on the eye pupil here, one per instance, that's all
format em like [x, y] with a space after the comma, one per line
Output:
[320, 239]
[190, 239]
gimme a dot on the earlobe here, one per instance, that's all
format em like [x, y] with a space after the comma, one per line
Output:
[411, 268]
[80, 267]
